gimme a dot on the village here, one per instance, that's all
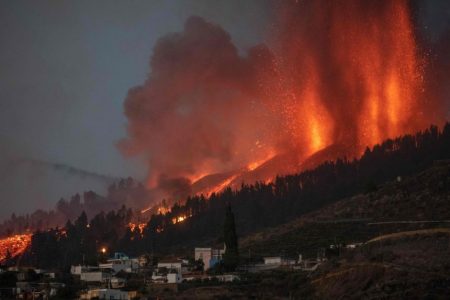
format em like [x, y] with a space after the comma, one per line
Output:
[122, 277]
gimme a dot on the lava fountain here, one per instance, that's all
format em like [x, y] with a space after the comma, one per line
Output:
[334, 78]
[348, 73]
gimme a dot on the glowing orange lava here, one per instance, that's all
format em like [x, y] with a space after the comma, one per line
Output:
[180, 219]
[137, 226]
[255, 164]
[342, 76]
[15, 244]
[347, 73]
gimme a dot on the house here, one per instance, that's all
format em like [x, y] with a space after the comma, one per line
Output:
[169, 271]
[77, 270]
[203, 254]
[167, 278]
[279, 261]
[121, 262]
[174, 278]
[209, 256]
[95, 276]
[172, 264]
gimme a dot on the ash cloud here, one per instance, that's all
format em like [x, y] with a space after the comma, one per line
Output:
[337, 75]
[198, 108]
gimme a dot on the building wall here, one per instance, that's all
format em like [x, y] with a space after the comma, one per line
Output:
[171, 265]
[204, 254]
[94, 276]
[272, 260]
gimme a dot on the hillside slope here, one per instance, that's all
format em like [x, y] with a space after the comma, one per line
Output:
[414, 202]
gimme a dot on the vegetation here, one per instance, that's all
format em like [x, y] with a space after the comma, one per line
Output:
[231, 255]
[257, 206]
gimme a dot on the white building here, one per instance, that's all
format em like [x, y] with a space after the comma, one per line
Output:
[203, 254]
[209, 256]
[172, 265]
[77, 270]
[279, 261]
[167, 278]
[121, 262]
[174, 278]
[95, 276]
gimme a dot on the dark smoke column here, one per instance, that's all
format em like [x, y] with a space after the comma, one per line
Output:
[197, 112]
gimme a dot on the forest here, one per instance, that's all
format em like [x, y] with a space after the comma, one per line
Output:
[256, 206]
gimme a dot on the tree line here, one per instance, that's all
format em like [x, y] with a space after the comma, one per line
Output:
[256, 206]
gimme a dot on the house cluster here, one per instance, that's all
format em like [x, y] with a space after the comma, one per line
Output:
[30, 283]
[110, 280]
[177, 270]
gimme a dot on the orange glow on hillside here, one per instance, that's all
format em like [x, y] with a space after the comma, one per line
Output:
[15, 244]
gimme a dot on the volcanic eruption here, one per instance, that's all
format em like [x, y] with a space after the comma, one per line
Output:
[333, 78]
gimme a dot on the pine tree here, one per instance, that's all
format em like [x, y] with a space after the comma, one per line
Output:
[231, 255]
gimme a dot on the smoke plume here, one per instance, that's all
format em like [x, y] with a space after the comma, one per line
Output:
[339, 76]
[199, 111]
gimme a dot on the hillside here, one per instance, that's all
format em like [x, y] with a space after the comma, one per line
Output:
[407, 265]
[418, 201]
[311, 201]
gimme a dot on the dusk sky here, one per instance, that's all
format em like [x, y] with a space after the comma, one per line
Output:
[66, 68]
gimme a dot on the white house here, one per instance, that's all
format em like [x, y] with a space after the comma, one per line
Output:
[174, 278]
[77, 270]
[95, 276]
[167, 278]
[121, 262]
[209, 256]
[171, 265]
[203, 254]
[279, 261]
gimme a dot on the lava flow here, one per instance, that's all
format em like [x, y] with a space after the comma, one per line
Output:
[15, 245]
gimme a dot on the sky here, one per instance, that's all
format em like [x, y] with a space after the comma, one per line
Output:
[66, 68]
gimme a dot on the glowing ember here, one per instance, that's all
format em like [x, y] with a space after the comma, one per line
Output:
[158, 209]
[139, 226]
[179, 219]
[16, 245]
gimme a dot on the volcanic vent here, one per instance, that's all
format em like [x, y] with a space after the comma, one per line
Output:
[333, 78]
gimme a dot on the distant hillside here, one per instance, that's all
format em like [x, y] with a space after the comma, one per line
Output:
[31, 184]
